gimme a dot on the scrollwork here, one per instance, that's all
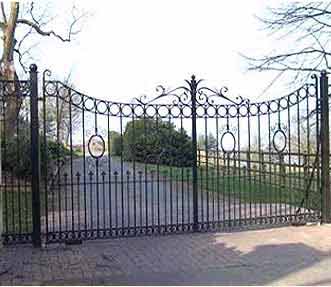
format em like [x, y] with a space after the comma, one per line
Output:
[180, 95]
[177, 102]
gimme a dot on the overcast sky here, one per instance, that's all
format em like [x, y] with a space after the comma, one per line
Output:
[128, 47]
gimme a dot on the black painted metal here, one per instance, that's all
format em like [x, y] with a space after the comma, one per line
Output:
[325, 149]
[193, 90]
[188, 159]
[35, 158]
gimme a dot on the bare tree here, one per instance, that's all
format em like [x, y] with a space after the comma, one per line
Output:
[307, 26]
[62, 118]
[13, 17]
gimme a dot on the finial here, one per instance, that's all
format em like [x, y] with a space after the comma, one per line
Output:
[33, 68]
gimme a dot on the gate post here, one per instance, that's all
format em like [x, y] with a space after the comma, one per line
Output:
[325, 149]
[35, 156]
[193, 90]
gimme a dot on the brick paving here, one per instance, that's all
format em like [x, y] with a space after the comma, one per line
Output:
[287, 255]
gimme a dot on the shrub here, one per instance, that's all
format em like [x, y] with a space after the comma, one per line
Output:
[115, 143]
[151, 141]
[16, 154]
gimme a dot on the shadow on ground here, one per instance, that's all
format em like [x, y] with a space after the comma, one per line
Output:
[284, 256]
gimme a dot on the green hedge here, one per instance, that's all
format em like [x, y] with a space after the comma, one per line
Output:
[151, 141]
[16, 154]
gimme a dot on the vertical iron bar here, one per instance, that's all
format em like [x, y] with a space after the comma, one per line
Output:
[5, 175]
[152, 198]
[71, 166]
[291, 195]
[78, 202]
[109, 176]
[270, 165]
[66, 203]
[84, 168]
[259, 165]
[46, 161]
[182, 180]
[193, 91]
[207, 172]
[134, 177]
[128, 199]
[58, 164]
[239, 168]
[35, 168]
[218, 173]
[299, 141]
[18, 180]
[103, 175]
[116, 200]
[318, 171]
[325, 148]
[122, 168]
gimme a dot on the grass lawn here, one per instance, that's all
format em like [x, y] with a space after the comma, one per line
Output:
[17, 209]
[256, 187]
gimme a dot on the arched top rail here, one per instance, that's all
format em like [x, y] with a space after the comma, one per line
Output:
[178, 102]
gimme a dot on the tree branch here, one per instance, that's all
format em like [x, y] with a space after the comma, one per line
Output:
[3, 12]
[20, 59]
[31, 13]
[37, 27]
[43, 33]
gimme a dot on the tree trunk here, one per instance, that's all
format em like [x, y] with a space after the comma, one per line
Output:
[13, 101]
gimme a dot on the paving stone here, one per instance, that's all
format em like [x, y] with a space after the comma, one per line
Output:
[274, 255]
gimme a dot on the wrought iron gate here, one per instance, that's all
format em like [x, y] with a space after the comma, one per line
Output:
[187, 159]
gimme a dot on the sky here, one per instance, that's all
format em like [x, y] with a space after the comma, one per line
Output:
[126, 48]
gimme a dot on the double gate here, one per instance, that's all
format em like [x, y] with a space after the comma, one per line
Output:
[187, 159]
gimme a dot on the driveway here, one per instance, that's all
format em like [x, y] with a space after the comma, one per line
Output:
[101, 196]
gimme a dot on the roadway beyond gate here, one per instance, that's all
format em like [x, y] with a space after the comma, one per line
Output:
[186, 159]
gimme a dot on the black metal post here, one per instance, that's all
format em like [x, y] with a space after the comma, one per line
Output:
[35, 170]
[193, 90]
[325, 149]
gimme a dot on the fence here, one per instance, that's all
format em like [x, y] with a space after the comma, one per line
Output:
[187, 159]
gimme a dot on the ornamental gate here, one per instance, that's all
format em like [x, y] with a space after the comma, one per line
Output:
[187, 159]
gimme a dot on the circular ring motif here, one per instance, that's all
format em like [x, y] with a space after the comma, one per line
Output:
[127, 110]
[200, 111]
[254, 109]
[96, 146]
[150, 111]
[293, 99]
[303, 93]
[222, 111]
[283, 103]
[211, 111]
[312, 90]
[50, 88]
[175, 111]
[76, 99]
[230, 136]
[114, 110]
[243, 110]
[139, 110]
[187, 111]
[101, 107]
[274, 106]
[264, 108]
[233, 110]
[279, 140]
[89, 104]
